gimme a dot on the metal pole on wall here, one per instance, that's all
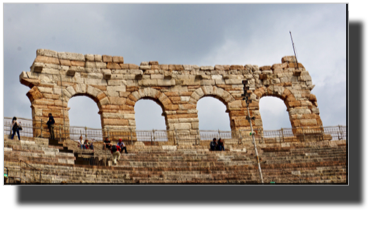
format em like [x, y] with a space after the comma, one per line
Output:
[247, 101]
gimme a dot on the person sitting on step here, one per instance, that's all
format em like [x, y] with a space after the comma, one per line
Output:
[220, 145]
[81, 143]
[122, 146]
[213, 144]
[106, 144]
[86, 144]
[91, 146]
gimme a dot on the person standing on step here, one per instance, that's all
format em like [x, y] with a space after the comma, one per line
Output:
[15, 128]
[50, 124]
[122, 146]
[115, 151]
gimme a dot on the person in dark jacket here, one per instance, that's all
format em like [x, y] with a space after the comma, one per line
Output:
[15, 128]
[213, 144]
[50, 124]
[220, 145]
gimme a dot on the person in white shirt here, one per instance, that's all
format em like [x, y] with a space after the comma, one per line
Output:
[81, 143]
[122, 146]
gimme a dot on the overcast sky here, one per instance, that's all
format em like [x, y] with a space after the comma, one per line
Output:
[193, 34]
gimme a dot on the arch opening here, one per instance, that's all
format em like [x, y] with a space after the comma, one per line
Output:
[84, 113]
[212, 114]
[149, 115]
[274, 114]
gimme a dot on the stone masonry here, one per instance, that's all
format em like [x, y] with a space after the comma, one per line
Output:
[115, 86]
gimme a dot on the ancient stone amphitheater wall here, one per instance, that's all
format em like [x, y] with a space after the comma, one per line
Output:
[115, 86]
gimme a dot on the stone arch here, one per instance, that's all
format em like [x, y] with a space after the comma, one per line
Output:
[301, 107]
[213, 91]
[151, 94]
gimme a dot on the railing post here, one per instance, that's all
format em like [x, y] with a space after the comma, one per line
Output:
[85, 132]
[219, 134]
[176, 135]
[340, 133]
[153, 137]
[41, 129]
[282, 133]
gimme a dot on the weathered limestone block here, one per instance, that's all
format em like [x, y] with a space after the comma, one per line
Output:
[185, 98]
[235, 104]
[295, 65]
[233, 81]
[153, 62]
[308, 122]
[89, 57]
[148, 82]
[187, 67]
[117, 100]
[95, 75]
[304, 76]
[71, 90]
[217, 77]
[104, 101]
[112, 65]
[118, 59]
[89, 64]
[107, 58]
[116, 88]
[49, 71]
[34, 94]
[116, 82]
[101, 65]
[129, 66]
[80, 88]
[78, 63]
[97, 57]
[47, 53]
[182, 126]
[45, 89]
[145, 67]
[207, 68]
[71, 56]
[91, 81]
[93, 91]
[171, 82]
[46, 102]
[45, 59]
[236, 67]
[288, 59]
[265, 68]
[135, 71]
[157, 76]
[111, 121]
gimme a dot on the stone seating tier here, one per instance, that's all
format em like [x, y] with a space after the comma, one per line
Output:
[322, 163]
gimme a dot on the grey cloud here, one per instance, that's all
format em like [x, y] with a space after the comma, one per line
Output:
[201, 34]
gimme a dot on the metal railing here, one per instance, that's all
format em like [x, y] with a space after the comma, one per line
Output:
[173, 136]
